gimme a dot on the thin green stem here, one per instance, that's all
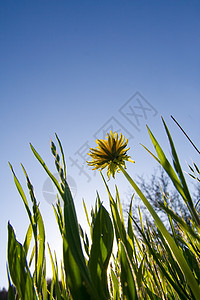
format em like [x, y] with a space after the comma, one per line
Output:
[36, 257]
[185, 134]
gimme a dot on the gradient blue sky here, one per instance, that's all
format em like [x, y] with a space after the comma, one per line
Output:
[68, 67]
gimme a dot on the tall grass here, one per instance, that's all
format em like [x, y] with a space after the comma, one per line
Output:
[150, 263]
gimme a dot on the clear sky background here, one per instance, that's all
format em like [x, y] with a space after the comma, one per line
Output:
[81, 68]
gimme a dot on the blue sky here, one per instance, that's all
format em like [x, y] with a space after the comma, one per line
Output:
[71, 67]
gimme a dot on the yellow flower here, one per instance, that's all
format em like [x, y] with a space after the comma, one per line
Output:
[110, 153]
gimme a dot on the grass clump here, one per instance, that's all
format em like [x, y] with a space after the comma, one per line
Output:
[150, 262]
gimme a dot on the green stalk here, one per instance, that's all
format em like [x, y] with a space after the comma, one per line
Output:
[36, 258]
[170, 241]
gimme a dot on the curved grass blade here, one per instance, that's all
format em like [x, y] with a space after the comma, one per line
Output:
[55, 275]
[126, 275]
[21, 192]
[115, 283]
[47, 170]
[180, 222]
[179, 182]
[120, 231]
[63, 157]
[41, 251]
[18, 268]
[11, 292]
[169, 239]
[74, 279]
[101, 250]
[73, 239]
[165, 163]
[179, 171]
[28, 239]
[185, 134]
[39, 235]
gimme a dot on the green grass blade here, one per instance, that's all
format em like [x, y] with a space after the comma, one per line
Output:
[140, 273]
[120, 206]
[63, 284]
[21, 192]
[73, 236]
[116, 289]
[41, 251]
[179, 184]
[46, 169]
[131, 237]
[28, 239]
[63, 157]
[86, 213]
[126, 274]
[120, 231]
[185, 227]
[55, 275]
[101, 250]
[39, 235]
[179, 171]
[74, 279]
[117, 217]
[170, 241]
[162, 159]
[59, 218]
[197, 169]
[31, 257]
[44, 282]
[11, 292]
[18, 268]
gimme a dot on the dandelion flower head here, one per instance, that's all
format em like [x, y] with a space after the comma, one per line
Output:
[111, 152]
